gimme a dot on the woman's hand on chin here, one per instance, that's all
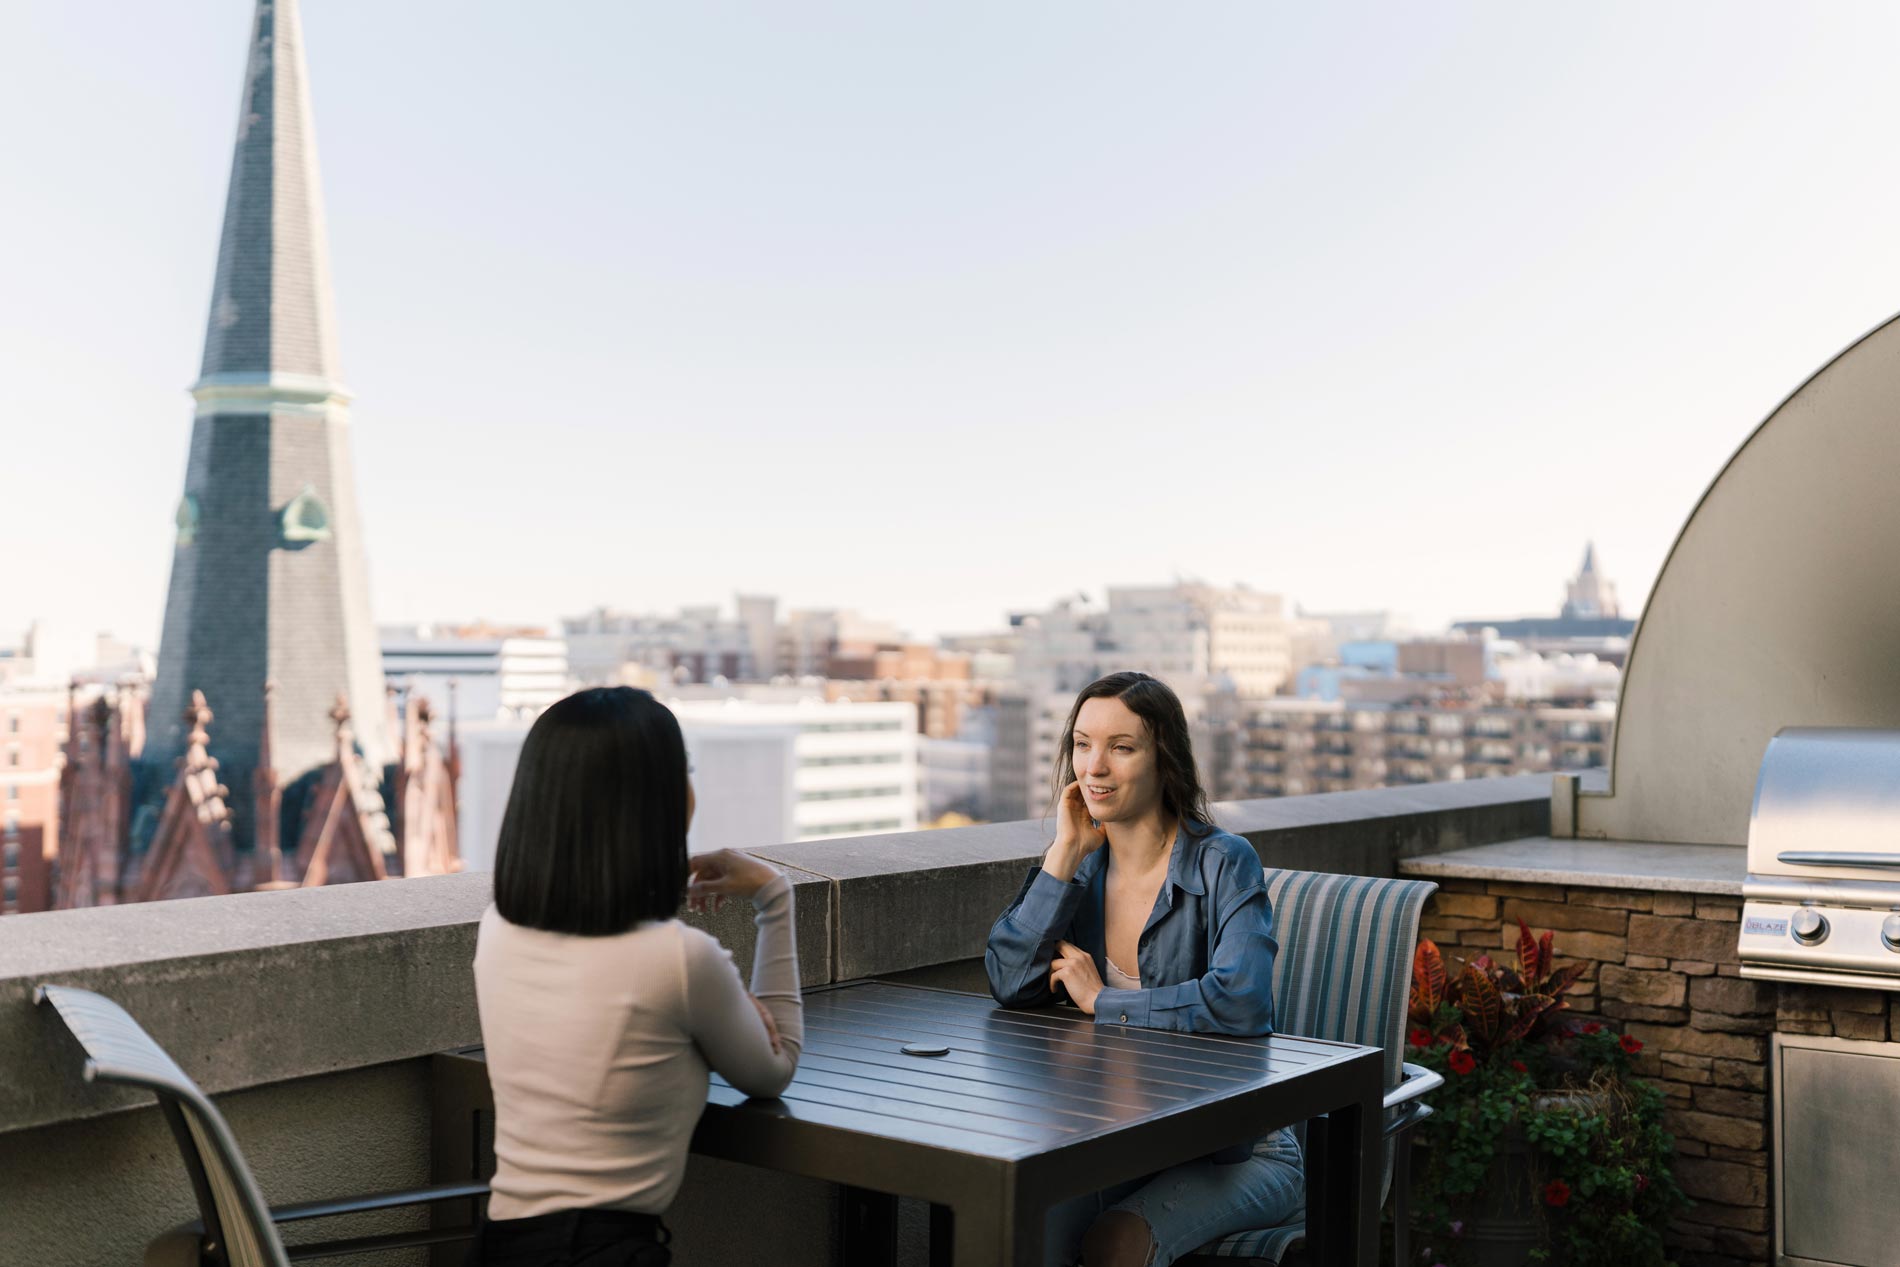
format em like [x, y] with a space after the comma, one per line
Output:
[1074, 970]
[722, 874]
[1077, 835]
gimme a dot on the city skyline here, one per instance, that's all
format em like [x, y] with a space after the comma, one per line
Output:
[754, 340]
[71, 651]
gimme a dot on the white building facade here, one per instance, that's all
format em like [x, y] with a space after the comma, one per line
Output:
[854, 763]
[493, 677]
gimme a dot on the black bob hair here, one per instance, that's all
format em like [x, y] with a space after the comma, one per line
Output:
[594, 839]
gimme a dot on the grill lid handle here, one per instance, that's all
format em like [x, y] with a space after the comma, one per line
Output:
[1837, 858]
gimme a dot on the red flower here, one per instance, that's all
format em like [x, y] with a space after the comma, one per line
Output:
[1463, 1062]
[1419, 1038]
[1630, 1044]
[1557, 1192]
[1592, 1028]
[1519, 1066]
[1642, 1184]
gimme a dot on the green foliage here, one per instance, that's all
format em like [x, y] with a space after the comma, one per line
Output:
[1598, 1180]
[1491, 1005]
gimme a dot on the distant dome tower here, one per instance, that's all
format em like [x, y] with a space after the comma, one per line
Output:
[1590, 596]
[268, 582]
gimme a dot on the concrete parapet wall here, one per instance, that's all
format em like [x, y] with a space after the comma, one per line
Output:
[917, 899]
[260, 988]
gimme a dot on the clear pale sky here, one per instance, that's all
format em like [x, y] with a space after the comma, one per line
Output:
[941, 311]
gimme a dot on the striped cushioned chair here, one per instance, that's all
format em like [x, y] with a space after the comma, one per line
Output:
[1344, 973]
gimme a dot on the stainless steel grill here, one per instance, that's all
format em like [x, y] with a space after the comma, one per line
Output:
[1822, 900]
[1821, 905]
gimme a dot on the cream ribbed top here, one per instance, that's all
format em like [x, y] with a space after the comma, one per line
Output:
[1116, 979]
[598, 1051]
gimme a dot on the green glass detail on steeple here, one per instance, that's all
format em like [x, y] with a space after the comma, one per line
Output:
[306, 518]
[187, 519]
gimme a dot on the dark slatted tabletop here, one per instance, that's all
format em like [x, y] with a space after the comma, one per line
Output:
[1027, 1108]
[1012, 1084]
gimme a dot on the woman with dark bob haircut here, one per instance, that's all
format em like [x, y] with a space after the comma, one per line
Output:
[1143, 913]
[601, 1011]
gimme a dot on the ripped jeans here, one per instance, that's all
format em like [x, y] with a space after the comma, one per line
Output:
[1189, 1205]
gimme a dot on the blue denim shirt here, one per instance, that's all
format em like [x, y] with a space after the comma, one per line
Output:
[1206, 952]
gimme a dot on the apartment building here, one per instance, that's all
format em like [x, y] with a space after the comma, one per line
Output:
[1236, 638]
[1288, 747]
[702, 645]
[810, 642]
[1022, 760]
[1195, 637]
[695, 644]
[33, 725]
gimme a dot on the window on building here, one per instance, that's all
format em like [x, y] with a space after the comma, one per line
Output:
[13, 791]
[850, 727]
[868, 758]
[13, 723]
[849, 793]
[846, 829]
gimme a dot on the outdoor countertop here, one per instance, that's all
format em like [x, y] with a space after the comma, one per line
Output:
[1606, 864]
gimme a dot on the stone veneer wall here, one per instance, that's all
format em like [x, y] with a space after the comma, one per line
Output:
[1664, 969]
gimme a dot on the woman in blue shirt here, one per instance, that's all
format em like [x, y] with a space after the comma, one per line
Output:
[1145, 913]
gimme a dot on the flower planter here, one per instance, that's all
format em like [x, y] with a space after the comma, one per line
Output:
[1503, 1229]
[1542, 1143]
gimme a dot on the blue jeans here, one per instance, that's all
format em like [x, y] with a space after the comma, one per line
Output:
[1189, 1205]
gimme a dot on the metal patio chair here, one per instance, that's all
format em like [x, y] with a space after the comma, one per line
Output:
[1344, 973]
[236, 1227]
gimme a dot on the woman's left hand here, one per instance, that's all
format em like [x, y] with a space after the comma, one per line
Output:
[1074, 970]
[722, 874]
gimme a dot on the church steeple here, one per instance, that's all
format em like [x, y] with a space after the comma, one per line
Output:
[1590, 596]
[268, 577]
[270, 303]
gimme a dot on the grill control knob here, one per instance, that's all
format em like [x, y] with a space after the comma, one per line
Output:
[1809, 926]
[1890, 932]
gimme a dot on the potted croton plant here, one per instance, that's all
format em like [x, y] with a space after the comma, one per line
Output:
[1542, 1148]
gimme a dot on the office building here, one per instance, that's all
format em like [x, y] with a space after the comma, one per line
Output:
[1195, 637]
[479, 672]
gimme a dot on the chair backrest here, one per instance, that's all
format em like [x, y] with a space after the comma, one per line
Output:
[238, 1227]
[1345, 966]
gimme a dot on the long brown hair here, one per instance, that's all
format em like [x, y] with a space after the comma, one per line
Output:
[1159, 708]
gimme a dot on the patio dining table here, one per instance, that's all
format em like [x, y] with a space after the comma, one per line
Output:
[995, 1115]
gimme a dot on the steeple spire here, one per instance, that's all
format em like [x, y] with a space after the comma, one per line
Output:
[271, 322]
